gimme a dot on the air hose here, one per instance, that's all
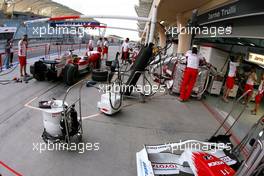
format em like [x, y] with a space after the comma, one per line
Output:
[119, 82]
[10, 71]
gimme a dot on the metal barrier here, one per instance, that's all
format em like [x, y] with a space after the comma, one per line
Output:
[250, 135]
[250, 166]
[232, 109]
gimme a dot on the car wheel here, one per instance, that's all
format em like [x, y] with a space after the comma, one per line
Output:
[38, 70]
[70, 75]
[99, 75]
[32, 69]
[98, 64]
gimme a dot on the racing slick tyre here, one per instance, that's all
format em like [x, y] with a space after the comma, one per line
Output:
[98, 64]
[38, 70]
[32, 69]
[70, 75]
[99, 75]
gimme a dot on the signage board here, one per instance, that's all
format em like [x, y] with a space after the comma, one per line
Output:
[241, 8]
[256, 58]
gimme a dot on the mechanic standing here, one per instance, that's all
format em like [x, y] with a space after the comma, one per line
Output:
[252, 79]
[100, 45]
[22, 53]
[190, 73]
[125, 50]
[91, 44]
[8, 53]
[105, 49]
[230, 80]
[259, 96]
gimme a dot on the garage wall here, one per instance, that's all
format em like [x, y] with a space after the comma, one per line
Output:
[215, 57]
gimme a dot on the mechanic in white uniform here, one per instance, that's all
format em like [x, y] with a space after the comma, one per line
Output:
[105, 49]
[252, 79]
[91, 44]
[230, 80]
[259, 96]
[100, 45]
[190, 73]
[125, 50]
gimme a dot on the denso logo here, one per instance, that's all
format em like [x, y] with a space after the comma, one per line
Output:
[164, 166]
[216, 163]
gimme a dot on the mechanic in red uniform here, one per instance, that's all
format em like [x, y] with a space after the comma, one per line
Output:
[91, 44]
[22, 50]
[230, 80]
[105, 49]
[259, 96]
[125, 50]
[190, 73]
[100, 45]
[252, 79]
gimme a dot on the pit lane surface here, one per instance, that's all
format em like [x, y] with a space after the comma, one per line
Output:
[160, 120]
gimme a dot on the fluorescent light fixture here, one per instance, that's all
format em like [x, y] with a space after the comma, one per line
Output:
[240, 43]
[252, 44]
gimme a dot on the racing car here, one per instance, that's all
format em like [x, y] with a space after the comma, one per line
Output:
[69, 66]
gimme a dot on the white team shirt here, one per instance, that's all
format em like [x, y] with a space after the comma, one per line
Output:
[22, 48]
[193, 60]
[99, 43]
[232, 69]
[125, 46]
[106, 44]
[250, 80]
[91, 43]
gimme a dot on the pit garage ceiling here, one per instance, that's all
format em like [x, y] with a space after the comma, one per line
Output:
[40, 7]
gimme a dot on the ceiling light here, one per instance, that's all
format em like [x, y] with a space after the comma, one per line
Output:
[252, 44]
[162, 22]
[240, 43]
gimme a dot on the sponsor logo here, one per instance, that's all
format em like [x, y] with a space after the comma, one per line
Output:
[145, 168]
[216, 163]
[226, 159]
[165, 166]
[208, 157]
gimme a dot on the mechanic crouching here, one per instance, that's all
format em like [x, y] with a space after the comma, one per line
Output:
[190, 73]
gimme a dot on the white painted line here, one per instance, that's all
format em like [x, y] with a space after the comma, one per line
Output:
[31, 107]
[91, 116]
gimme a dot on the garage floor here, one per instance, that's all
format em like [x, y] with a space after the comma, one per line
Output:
[161, 119]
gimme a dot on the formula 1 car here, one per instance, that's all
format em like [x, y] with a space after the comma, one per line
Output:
[177, 158]
[69, 66]
[217, 157]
